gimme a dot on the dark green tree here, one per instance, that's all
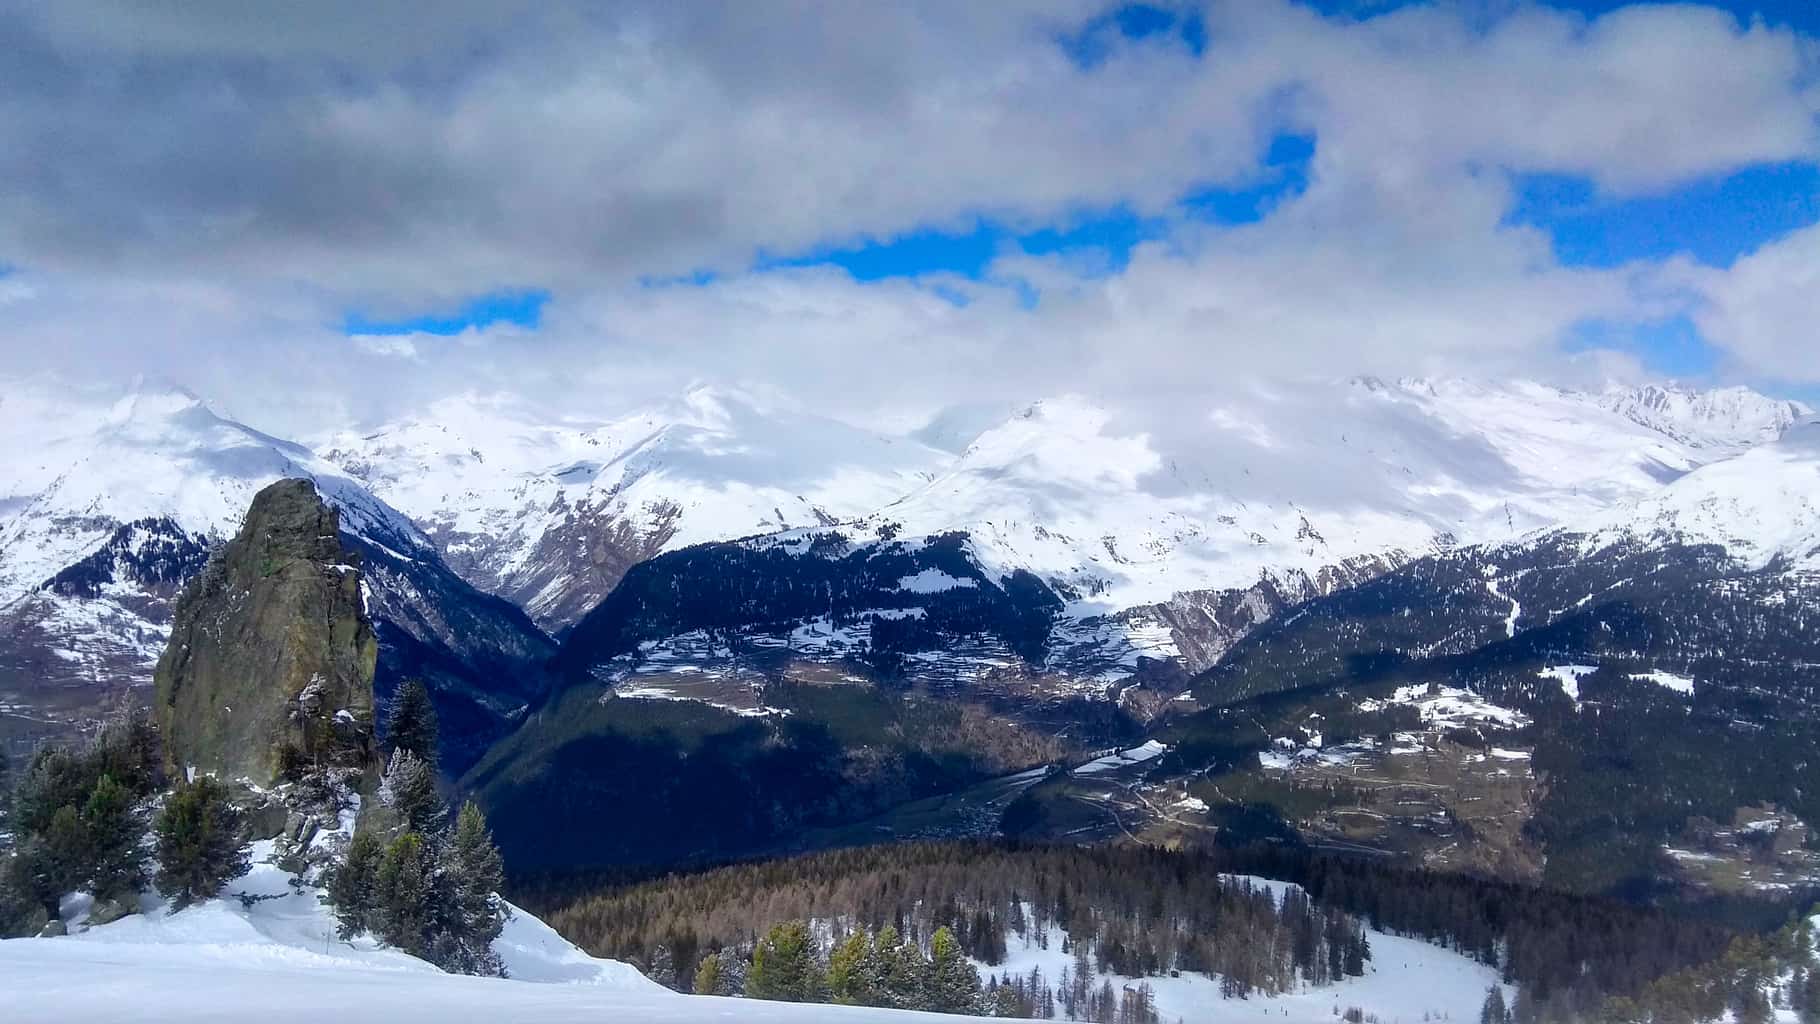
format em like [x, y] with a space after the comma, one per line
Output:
[849, 979]
[469, 915]
[954, 984]
[785, 967]
[116, 842]
[708, 977]
[404, 895]
[353, 887]
[1495, 1010]
[411, 723]
[55, 779]
[410, 790]
[199, 845]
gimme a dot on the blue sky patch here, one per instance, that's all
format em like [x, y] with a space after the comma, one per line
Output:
[1093, 42]
[1672, 347]
[522, 308]
[1799, 14]
[1714, 220]
[1103, 237]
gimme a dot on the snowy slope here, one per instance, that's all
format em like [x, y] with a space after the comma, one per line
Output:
[1126, 511]
[1763, 506]
[1734, 418]
[110, 502]
[75, 465]
[275, 958]
[549, 514]
[1406, 981]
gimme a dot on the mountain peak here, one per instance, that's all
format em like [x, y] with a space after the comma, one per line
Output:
[1729, 417]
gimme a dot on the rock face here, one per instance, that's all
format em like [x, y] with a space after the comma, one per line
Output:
[271, 657]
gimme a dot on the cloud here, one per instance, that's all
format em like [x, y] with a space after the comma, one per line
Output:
[198, 191]
[1765, 311]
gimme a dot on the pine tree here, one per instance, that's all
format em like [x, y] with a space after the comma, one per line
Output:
[708, 978]
[475, 874]
[662, 966]
[410, 790]
[199, 847]
[849, 980]
[116, 849]
[954, 984]
[353, 886]
[412, 722]
[1495, 1010]
[784, 966]
[403, 895]
[54, 779]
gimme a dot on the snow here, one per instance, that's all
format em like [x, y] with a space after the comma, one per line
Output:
[277, 959]
[1516, 610]
[1667, 680]
[932, 581]
[1762, 506]
[1149, 750]
[1569, 677]
[1406, 982]
[1450, 707]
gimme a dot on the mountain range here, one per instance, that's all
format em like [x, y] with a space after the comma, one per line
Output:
[639, 606]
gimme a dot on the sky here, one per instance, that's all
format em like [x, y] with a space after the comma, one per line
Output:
[337, 212]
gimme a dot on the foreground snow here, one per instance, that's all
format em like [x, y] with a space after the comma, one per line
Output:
[277, 960]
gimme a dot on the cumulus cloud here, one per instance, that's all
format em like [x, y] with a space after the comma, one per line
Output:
[1765, 310]
[200, 191]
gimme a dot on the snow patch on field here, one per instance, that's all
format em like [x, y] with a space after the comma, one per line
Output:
[1569, 677]
[1406, 982]
[1667, 680]
[1450, 707]
[1123, 758]
[933, 581]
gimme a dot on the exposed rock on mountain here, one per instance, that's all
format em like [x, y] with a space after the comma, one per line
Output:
[271, 656]
[108, 505]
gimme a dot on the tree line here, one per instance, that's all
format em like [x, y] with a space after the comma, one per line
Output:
[94, 818]
[1119, 912]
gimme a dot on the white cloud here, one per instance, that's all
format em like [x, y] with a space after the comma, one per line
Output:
[213, 214]
[1765, 310]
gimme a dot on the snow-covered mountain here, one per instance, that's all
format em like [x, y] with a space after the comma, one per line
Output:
[109, 503]
[1725, 418]
[1116, 510]
[550, 514]
[1163, 533]
[1762, 507]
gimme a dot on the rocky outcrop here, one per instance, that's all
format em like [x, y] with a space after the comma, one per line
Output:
[271, 658]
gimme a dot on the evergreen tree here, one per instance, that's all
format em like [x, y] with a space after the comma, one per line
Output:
[954, 984]
[708, 979]
[353, 886]
[849, 980]
[128, 749]
[69, 854]
[1810, 997]
[199, 847]
[22, 910]
[784, 966]
[410, 790]
[473, 864]
[116, 867]
[54, 779]
[412, 722]
[1495, 1011]
[662, 966]
[403, 895]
